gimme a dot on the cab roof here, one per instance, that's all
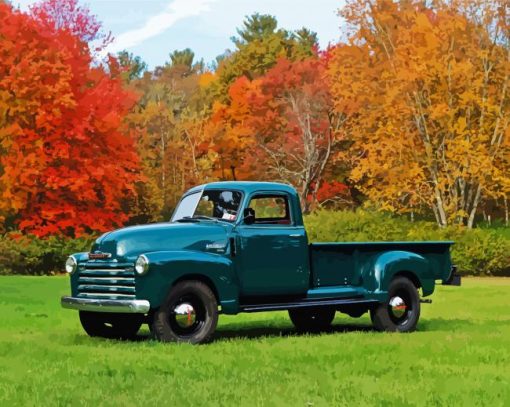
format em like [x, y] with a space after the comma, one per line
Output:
[245, 186]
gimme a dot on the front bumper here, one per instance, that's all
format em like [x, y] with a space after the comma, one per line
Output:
[98, 305]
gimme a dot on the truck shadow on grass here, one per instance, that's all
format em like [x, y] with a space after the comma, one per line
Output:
[256, 332]
[259, 330]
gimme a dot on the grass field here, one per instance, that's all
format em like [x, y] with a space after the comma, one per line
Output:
[460, 355]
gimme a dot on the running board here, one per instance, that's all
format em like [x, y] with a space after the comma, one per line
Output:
[304, 304]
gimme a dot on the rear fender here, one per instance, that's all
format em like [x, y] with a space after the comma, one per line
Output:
[168, 267]
[378, 275]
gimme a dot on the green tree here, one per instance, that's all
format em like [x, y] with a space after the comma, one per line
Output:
[259, 45]
[133, 67]
[256, 27]
[184, 57]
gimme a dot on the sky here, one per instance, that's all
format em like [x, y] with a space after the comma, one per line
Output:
[152, 29]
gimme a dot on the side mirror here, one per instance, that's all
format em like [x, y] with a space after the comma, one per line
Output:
[249, 216]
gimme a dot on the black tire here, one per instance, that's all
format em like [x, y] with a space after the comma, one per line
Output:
[175, 321]
[313, 319]
[111, 325]
[393, 315]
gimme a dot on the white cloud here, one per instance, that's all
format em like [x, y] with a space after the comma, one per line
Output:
[159, 23]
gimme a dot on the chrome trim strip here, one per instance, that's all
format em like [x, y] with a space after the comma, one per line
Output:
[110, 294]
[104, 273]
[112, 270]
[106, 279]
[96, 305]
[91, 287]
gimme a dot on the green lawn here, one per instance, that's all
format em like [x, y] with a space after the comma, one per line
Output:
[460, 355]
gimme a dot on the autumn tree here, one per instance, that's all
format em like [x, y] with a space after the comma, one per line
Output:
[154, 119]
[429, 85]
[283, 126]
[258, 46]
[66, 165]
[67, 16]
[169, 120]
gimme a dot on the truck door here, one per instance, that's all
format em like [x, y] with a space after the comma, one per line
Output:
[273, 250]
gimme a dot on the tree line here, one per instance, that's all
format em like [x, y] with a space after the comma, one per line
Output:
[409, 115]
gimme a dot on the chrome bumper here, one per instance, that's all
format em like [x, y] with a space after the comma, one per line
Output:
[96, 305]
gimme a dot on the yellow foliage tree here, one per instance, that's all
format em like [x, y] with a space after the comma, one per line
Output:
[169, 121]
[427, 92]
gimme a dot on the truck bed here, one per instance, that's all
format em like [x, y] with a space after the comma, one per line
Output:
[334, 264]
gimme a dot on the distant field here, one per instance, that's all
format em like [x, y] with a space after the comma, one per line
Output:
[459, 356]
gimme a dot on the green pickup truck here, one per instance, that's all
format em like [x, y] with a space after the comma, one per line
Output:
[234, 247]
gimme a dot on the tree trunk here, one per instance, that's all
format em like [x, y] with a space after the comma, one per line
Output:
[472, 214]
[505, 201]
[441, 214]
[163, 170]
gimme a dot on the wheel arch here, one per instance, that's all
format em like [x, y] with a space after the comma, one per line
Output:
[169, 268]
[198, 277]
[410, 276]
[386, 266]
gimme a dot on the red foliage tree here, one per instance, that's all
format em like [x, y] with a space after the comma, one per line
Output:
[331, 192]
[68, 16]
[66, 166]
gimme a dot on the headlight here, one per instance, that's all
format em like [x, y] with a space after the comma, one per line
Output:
[71, 265]
[142, 264]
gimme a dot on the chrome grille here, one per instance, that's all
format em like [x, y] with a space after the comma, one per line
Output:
[106, 280]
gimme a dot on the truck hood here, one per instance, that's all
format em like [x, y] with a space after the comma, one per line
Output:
[128, 243]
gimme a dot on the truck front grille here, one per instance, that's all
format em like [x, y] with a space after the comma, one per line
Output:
[107, 281]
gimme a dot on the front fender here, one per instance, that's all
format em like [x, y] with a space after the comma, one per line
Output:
[378, 275]
[166, 267]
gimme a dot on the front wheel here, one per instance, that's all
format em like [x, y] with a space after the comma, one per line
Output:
[313, 319]
[111, 325]
[188, 314]
[401, 311]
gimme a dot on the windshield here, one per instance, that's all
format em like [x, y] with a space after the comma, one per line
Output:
[215, 203]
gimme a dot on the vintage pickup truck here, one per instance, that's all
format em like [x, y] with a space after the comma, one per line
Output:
[234, 247]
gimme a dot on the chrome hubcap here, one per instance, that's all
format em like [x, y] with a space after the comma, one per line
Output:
[398, 306]
[185, 315]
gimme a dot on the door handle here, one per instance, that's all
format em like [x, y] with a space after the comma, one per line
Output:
[295, 235]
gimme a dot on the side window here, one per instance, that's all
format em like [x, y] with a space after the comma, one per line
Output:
[271, 209]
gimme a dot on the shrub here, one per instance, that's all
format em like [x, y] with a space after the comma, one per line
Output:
[22, 254]
[475, 252]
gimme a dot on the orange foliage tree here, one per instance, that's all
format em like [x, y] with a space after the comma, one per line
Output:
[430, 88]
[66, 166]
[281, 126]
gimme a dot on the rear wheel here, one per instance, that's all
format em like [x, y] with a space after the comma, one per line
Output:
[401, 312]
[188, 314]
[312, 319]
[111, 325]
